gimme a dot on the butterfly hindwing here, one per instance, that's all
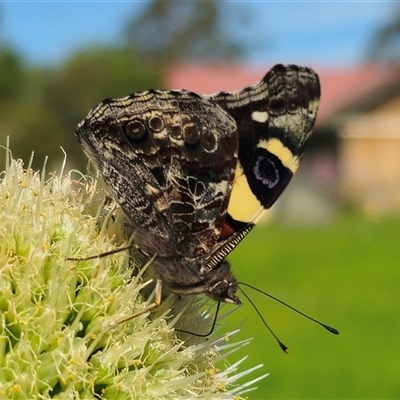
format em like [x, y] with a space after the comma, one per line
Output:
[209, 156]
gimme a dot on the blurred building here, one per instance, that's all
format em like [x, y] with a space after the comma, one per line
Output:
[353, 157]
[364, 117]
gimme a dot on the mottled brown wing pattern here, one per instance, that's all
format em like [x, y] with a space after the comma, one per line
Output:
[126, 174]
[169, 159]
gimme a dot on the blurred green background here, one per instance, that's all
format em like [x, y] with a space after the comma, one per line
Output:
[331, 247]
[345, 274]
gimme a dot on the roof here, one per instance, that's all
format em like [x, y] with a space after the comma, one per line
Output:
[341, 88]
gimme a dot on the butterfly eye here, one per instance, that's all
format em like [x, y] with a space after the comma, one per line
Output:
[220, 291]
[135, 130]
[156, 124]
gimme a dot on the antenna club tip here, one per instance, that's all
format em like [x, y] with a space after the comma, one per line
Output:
[331, 329]
[283, 347]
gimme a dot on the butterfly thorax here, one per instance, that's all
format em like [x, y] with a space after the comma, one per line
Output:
[186, 276]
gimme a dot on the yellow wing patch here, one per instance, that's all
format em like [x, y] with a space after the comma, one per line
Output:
[243, 204]
[276, 147]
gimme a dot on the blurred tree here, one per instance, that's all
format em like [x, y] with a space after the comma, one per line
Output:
[167, 31]
[46, 119]
[21, 111]
[12, 74]
[93, 74]
[385, 45]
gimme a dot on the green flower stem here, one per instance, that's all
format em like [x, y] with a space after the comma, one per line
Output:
[59, 336]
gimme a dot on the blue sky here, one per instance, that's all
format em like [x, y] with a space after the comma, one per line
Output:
[322, 33]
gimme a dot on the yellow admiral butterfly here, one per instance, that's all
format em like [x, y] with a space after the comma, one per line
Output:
[194, 174]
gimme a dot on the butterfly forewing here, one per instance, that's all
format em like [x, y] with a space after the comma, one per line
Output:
[169, 160]
[274, 119]
[127, 173]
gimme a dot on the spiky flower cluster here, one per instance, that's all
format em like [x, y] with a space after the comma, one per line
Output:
[59, 336]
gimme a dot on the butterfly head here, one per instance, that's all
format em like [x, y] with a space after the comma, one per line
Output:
[218, 283]
[221, 284]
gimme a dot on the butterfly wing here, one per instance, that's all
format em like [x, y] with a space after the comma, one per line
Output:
[274, 118]
[205, 161]
[197, 155]
[200, 171]
[103, 137]
[169, 160]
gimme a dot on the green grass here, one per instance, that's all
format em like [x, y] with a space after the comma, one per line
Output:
[346, 274]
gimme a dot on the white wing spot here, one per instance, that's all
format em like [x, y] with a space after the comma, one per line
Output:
[259, 116]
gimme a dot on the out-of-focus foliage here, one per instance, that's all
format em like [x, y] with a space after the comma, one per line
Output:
[92, 75]
[193, 30]
[89, 77]
[385, 45]
[345, 274]
[39, 109]
[12, 74]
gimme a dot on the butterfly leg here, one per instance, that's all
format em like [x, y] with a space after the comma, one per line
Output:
[157, 301]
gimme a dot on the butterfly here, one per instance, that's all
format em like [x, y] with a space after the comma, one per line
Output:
[194, 174]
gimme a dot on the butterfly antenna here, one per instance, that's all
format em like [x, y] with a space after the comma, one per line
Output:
[327, 327]
[281, 345]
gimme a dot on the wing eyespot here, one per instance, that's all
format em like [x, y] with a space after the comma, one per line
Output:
[293, 106]
[209, 142]
[277, 106]
[156, 124]
[191, 134]
[175, 131]
[135, 130]
[266, 172]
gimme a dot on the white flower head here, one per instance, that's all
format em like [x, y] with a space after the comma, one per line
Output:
[59, 332]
